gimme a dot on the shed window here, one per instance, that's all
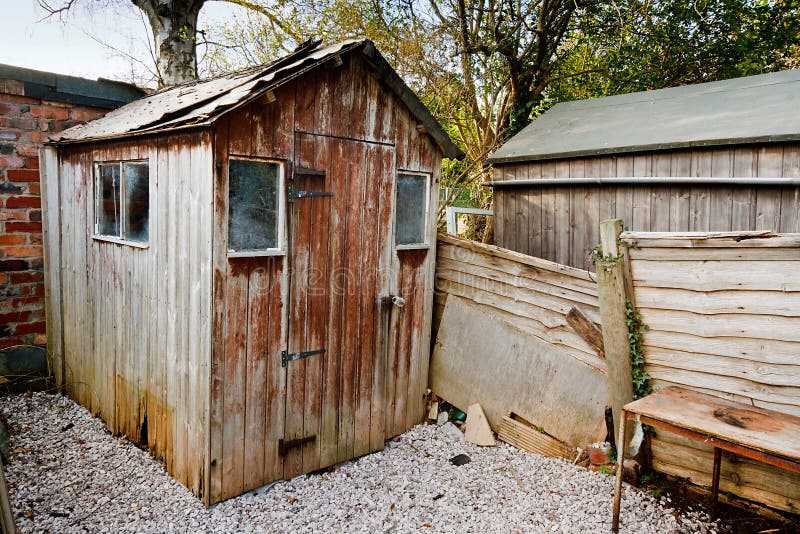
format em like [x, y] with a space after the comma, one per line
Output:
[411, 213]
[255, 207]
[122, 200]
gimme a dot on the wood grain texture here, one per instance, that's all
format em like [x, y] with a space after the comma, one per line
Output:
[558, 223]
[722, 310]
[133, 343]
[178, 345]
[479, 359]
[533, 295]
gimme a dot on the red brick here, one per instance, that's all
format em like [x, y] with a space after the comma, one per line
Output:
[40, 339]
[22, 175]
[38, 290]
[34, 188]
[29, 328]
[19, 304]
[36, 137]
[15, 215]
[26, 278]
[13, 162]
[17, 97]
[35, 239]
[24, 202]
[9, 135]
[84, 115]
[12, 239]
[14, 265]
[15, 317]
[29, 151]
[48, 112]
[23, 227]
[32, 162]
[3, 278]
[24, 251]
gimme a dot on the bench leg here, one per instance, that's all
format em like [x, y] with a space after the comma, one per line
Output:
[715, 481]
[621, 449]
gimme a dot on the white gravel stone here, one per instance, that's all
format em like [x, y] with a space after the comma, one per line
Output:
[86, 480]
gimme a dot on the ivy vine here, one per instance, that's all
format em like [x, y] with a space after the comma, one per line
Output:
[636, 327]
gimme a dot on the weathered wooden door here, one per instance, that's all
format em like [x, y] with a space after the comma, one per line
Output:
[339, 222]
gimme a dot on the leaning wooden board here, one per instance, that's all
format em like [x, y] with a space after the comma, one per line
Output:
[480, 358]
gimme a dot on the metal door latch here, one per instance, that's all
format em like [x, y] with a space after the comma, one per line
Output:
[295, 194]
[287, 356]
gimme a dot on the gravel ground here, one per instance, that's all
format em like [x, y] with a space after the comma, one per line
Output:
[84, 479]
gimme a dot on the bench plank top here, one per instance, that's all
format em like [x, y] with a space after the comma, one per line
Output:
[764, 430]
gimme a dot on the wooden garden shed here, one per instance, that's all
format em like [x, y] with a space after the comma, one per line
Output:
[719, 156]
[240, 270]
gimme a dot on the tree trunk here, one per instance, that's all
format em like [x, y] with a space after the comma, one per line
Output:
[174, 25]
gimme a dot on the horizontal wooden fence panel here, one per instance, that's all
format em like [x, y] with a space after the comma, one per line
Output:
[532, 294]
[723, 316]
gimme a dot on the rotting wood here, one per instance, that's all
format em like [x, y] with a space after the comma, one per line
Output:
[211, 389]
[6, 515]
[610, 280]
[524, 436]
[478, 358]
[720, 307]
[587, 329]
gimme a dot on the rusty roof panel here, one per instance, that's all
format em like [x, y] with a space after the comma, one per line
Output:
[199, 102]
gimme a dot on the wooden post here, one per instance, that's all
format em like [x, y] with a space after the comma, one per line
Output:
[611, 285]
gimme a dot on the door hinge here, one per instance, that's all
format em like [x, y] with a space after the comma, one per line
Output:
[287, 356]
[294, 194]
[310, 194]
[285, 445]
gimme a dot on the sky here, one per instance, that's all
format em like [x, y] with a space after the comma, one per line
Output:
[69, 48]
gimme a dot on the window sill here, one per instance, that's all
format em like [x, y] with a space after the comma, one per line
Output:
[118, 241]
[416, 246]
[256, 253]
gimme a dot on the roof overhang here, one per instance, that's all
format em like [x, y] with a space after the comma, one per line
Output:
[201, 104]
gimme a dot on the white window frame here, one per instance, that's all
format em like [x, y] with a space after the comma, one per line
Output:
[280, 249]
[120, 240]
[425, 244]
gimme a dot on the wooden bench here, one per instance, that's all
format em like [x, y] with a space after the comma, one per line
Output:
[763, 435]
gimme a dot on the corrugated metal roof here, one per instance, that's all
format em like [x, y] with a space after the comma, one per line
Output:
[763, 108]
[201, 103]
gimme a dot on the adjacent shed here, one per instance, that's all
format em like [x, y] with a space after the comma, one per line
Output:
[720, 156]
[240, 271]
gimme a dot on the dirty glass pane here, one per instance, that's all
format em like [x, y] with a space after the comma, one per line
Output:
[137, 201]
[108, 200]
[412, 195]
[253, 201]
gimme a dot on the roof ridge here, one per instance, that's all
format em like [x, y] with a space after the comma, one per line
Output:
[677, 89]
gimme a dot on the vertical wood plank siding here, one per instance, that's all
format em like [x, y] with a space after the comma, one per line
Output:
[561, 223]
[722, 317]
[352, 397]
[180, 346]
[137, 321]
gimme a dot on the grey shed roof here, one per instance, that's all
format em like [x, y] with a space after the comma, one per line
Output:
[201, 103]
[101, 93]
[754, 109]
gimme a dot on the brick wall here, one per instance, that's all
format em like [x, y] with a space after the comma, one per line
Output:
[24, 124]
